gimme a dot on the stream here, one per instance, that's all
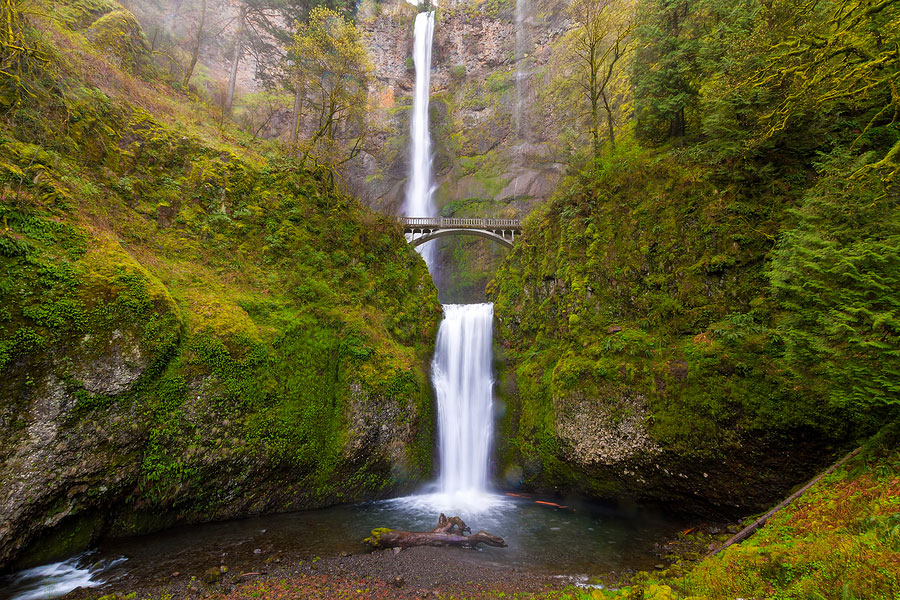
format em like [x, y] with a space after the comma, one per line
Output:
[574, 538]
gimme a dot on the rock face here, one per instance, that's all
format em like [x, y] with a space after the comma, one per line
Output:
[637, 359]
[60, 458]
[110, 433]
[604, 429]
[497, 150]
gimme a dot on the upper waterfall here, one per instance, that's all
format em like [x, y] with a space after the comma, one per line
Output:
[420, 186]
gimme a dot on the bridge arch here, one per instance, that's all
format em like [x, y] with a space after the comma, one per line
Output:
[425, 229]
[421, 239]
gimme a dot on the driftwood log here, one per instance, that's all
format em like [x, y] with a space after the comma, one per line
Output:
[749, 529]
[449, 532]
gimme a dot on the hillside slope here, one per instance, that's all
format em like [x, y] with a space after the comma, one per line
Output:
[190, 330]
[709, 311]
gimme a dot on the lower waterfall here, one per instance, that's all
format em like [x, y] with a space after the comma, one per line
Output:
[463, 383]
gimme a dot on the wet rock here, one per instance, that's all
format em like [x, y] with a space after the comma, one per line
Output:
[120, 363]
[212, 575]
[604, 429]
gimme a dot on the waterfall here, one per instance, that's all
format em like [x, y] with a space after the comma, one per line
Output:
[521, 60]
[522, 46]
[420, 187]
[461, 372]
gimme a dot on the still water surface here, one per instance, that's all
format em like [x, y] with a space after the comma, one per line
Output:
[578, 539]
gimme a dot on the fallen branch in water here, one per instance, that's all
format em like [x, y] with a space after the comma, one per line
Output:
[449, 532]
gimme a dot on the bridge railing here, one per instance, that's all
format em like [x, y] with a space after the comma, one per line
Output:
[465, 223]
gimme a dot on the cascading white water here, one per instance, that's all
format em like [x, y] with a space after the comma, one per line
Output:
[463, 383]
[522, 74]
[521, 60]
[420, 187]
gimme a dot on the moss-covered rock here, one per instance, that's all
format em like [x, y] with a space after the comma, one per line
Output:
[120, 36]
[641, 358]
[191, 331]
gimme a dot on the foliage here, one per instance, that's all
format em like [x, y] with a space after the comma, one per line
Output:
[21, 58]
[838, 540]
[747, 272]
[332, 72]
[599, 41]
[267, 314]
[664, 71]
[836, 277]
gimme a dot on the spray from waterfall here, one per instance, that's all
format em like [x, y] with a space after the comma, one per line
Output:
[420, 185]
[521, 61]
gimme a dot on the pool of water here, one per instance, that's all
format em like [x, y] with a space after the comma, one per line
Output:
[546, 536]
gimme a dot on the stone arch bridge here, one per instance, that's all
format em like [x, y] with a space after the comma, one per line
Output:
[425, 229]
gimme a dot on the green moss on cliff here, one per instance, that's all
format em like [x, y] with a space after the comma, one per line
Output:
[262, 333]
[641, 289]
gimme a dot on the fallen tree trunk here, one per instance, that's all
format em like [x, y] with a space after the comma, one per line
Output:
[449, 532]
[749, 529]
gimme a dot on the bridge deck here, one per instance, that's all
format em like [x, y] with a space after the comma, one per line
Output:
[460, 223]
[424, 229]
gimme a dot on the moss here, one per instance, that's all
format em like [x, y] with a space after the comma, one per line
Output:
[79, 14]
[646, 275]
[262, 302]
[120, 36]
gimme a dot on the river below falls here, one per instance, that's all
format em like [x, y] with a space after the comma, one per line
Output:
[545, 536]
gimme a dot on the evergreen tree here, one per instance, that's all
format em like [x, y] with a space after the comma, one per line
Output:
[664, 72]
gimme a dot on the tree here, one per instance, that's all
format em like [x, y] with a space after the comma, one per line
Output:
[845, 60]
[598, 43]
[836, 275]
[332, 72]
[20, 59]
[664, 72]
[264, 30]
[195, 52]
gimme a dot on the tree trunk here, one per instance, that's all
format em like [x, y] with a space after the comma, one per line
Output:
[595, 97]
[609, 121]
[449, 532]
[229, 100]
[295, 122]
[747, 531]
[196, 51]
